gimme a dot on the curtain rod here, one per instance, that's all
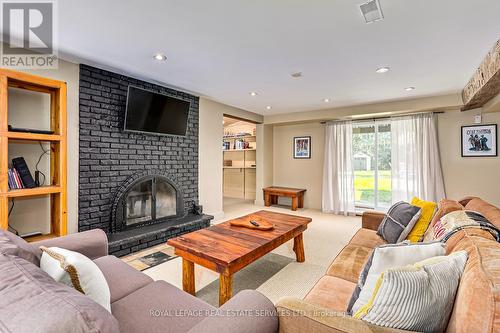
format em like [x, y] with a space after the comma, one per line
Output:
[379, 118]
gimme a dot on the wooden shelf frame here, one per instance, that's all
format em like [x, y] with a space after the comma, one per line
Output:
[57, 190]
[21, 136]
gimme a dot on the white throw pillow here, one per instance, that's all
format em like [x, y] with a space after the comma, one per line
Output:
[394, 255]
[417, 297]
[77, 271]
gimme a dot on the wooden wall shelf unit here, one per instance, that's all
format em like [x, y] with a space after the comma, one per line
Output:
[56, 190]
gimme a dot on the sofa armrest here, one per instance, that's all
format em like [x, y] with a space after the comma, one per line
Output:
[296, 315]
[249, 311]
[92, 243]
[371, 220]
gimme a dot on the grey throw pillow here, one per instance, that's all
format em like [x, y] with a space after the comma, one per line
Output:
[398, 222]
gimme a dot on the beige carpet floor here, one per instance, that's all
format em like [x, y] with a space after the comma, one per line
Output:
[326, 235]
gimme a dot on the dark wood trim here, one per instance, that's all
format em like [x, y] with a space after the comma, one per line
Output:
[485, 83]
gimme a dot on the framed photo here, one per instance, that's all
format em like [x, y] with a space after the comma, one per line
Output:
[302, 147]
[479, 140]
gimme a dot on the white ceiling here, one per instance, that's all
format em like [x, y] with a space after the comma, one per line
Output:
[224, 49]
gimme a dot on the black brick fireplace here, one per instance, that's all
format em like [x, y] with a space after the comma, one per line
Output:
[141, 189]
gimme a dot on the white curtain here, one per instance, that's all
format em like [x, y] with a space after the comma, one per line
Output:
[338, 174]
[415, 161]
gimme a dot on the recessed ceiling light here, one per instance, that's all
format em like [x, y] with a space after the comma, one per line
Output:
[160, 57]
[269, 107]
[253, 93]
[382, 70]
[409, 88]
[326, 100]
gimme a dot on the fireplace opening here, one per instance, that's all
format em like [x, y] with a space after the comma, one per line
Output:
[150, 199]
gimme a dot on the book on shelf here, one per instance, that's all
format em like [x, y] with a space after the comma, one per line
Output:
[9, 179]
[14, 179]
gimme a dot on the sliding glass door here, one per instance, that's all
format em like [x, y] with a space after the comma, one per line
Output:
[372, 164]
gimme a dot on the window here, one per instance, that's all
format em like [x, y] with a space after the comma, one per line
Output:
[372, 165]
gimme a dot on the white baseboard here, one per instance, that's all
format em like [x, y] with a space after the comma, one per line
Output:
[217, 216]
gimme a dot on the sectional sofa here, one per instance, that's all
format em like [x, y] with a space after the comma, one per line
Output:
[477, 303]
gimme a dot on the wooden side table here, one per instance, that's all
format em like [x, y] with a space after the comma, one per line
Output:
[272, 193]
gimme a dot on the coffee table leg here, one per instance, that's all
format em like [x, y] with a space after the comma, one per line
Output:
[294, 203]
[301, 201]
[225, 288]
[298, 247]
[188, 277]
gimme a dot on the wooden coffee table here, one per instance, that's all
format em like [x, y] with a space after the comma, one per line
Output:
[226, 249]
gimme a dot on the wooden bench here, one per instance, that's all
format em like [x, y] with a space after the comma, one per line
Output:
[272, 193]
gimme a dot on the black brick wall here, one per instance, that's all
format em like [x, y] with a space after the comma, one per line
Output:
[108, 156]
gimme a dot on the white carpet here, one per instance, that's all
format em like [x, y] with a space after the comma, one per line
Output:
[326, 235]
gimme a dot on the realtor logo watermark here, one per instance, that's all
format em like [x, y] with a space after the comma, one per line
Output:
[28, 35]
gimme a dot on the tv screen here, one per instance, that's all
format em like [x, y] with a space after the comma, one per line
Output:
[152, 112]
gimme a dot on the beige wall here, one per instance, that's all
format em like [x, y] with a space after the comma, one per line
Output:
[32, 112]
[463, 176]
[299, 173]
[211, 131]
[265, 165]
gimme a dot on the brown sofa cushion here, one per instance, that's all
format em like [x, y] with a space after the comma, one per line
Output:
[332, 293]
[159, 307]
[15, 245]
[122, 279]
[350, 262]
[486, 209]
[31, 301]
[477, 303]
[367, 238]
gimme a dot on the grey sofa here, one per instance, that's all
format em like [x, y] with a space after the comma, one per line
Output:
[30, 301]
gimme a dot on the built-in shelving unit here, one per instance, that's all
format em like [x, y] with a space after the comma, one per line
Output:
[56, 189]
[239, 167]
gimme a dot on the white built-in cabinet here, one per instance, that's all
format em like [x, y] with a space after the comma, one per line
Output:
[239, 165]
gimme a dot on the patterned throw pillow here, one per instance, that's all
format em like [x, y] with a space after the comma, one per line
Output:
[76, 270]
[418, 297]
[385, 257]
[398, 222]
[445, 206]
[428, 210]
[457, 220]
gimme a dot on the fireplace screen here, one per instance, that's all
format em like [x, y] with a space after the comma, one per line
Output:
[149, 200]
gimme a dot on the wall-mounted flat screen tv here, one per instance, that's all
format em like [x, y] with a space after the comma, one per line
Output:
[151, 112]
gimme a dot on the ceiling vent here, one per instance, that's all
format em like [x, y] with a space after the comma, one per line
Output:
[371, 11]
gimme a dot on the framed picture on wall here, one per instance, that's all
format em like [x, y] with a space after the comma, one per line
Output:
[479, 140]
[302, 147]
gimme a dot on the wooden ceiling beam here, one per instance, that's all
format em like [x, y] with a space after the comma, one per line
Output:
[485, 83]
